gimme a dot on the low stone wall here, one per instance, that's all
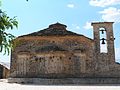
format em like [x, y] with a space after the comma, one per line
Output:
[66, 81]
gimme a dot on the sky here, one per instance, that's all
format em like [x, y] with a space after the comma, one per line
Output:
[36, 15]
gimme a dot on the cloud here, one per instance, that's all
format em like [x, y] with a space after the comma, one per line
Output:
[103, 3]
[75, 26]
[87, 25]
[111, 14]
[71, 5]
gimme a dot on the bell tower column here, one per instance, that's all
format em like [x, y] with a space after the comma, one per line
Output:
[110, 41]
[104, 28]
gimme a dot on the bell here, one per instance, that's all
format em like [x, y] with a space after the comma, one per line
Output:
[102, 31]
[103, 41]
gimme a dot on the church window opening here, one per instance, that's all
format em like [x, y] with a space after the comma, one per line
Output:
[53, 41]
[36, 59]
[50, 57]
[103, 40]
[82, 50]
[60, 57]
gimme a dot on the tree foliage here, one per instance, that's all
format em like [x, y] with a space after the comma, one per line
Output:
[6, 39]
[6, 23]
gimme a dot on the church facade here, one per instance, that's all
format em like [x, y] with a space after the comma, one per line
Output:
[56, 52]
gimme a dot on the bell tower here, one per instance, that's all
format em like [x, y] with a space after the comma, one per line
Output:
[103, 36]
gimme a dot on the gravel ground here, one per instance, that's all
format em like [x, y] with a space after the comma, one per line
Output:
[13, 86]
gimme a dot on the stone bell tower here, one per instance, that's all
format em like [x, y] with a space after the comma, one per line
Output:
[105, 29]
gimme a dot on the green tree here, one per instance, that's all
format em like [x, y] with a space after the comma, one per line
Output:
[6, 39]
[6, 23]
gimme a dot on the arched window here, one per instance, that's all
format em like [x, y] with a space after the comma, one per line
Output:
[103, 40]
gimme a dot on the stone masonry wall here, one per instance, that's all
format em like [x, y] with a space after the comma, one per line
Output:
[52, 57]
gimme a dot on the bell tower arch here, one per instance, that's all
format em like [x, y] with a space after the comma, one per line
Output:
[107, 29]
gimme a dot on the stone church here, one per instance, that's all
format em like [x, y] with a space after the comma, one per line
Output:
[56, 53]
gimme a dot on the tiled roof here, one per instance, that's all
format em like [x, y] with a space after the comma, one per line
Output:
[56, 29]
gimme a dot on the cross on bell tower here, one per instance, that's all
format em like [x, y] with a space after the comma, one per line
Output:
[104, 27]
